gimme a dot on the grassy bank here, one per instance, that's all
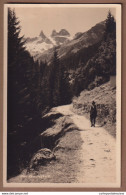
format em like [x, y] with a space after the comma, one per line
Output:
[105, 98]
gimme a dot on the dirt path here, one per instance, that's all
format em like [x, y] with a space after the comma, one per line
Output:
[97, 154]
[83, 155]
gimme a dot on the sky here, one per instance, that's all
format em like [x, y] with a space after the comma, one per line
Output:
[75, 18]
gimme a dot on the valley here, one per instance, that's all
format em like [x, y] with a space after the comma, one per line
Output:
[52, 81]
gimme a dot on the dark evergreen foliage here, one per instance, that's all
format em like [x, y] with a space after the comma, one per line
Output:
[110, 25]
[93, 65]
[23, 85]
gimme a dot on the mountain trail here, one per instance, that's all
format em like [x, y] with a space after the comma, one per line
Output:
[84, 154]
[98, 152]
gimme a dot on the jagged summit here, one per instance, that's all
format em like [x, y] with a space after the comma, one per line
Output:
[62, 32]
[42, 35]
[38, 46]
[54, 33]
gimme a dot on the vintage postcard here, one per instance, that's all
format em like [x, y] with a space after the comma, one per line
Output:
[62, 95]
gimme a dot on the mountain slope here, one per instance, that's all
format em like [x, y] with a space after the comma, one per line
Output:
[80, 42]
[85, 62]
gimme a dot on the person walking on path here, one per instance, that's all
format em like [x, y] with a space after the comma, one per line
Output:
[93, 114]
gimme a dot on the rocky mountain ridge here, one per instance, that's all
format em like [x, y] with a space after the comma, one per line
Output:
[73, 46]
[41, 47]
[62, 32]
[37, 45]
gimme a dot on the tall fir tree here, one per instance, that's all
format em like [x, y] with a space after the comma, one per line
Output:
[22, 98]
[57, 80]
[110, 26]
[15, 41]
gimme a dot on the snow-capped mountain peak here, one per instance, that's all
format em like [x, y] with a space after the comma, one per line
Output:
[37, 45]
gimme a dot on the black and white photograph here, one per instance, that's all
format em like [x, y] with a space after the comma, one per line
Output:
[62, 95]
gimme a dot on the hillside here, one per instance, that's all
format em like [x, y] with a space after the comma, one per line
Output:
[85, 62]
[105, 98]
[78, 43]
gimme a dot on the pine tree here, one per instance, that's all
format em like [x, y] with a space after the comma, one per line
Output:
[110, 26]
[54, 80]
[22, 98]
[15, 41]
[57, 80]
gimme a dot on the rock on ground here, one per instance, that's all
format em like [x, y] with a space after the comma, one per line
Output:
[41, 157]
